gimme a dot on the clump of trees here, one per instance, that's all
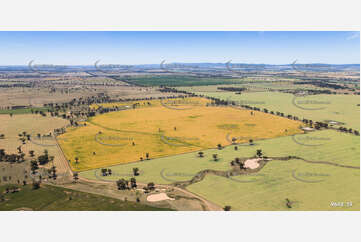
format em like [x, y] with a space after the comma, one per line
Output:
[34, 166]
[45, 158]
[123, 184]
[259, 153]
[106, 172]
[12, 158]
[227, 208]
[237, 162]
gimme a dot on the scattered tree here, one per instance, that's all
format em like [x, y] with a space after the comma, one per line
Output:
[136, 171]
[133, 182]
[227, 208]
[36, 185]
[215, 157]
[75, 177]
[259, 153]
[151, 186]
[31, 153]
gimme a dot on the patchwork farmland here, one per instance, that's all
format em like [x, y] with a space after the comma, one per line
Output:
[270, 141]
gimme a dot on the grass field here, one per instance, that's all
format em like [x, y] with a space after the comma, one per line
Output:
[270, 189]
[341, 108]
[253, 86]
[50, 198]
[321, 185]
[184, 126]
[275, 181]
[22, 110]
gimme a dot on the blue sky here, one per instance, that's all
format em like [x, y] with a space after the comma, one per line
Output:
[268, 47]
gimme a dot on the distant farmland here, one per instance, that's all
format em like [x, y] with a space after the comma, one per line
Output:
[340, 108]
[173, 80]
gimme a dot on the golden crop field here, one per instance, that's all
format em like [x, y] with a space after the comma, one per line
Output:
[166, 128]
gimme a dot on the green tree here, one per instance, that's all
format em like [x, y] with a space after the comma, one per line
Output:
[34, 166]
[259, 153]
[215, 157]
[31, 153]
[227, 208]
[133, 182]
[136, 171]
[75, 177]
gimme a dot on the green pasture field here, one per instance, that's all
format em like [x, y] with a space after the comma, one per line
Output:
[320, 185]
[307, 186]
[340, 108]
[22, 110]
[267, 189]
[173, 80]
[252, 86]
[51, 198]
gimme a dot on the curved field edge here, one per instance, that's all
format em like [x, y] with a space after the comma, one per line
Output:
[142, 131]
[183, 167]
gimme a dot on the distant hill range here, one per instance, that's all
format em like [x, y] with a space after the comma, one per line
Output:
[194, 66]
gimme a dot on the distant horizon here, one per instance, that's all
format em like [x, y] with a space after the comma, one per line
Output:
[83, 48]
[223, 63]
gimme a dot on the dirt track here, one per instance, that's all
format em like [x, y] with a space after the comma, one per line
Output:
[208, 205]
